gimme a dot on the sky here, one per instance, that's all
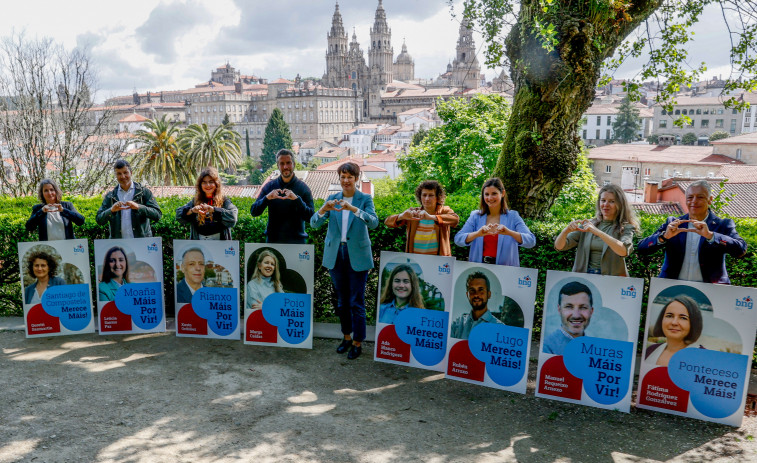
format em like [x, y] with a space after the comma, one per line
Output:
[174, 44]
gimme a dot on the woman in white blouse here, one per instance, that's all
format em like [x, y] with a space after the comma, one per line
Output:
[53, 218]
[266, 280]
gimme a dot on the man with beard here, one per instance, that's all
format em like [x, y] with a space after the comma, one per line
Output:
[575, 305]
[193, 267]
[478, 290]
[289, 202]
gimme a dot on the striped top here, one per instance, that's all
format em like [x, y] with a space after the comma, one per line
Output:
[426, 238]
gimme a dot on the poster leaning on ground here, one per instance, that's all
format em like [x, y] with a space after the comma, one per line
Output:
[130, 285]
[490, 328]
[413, 309]
[697, 350]
[278, 299]
[206, 278]
[55, 283]
[588, 344]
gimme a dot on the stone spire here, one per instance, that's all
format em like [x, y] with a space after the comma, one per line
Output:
[381, 53]
[465, 66]
[336, 53]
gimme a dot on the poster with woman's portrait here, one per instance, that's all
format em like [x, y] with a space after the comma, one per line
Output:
[278, 295]
[698, 344]
[413, 309]
[130, 285]
[206, 279]
[588, 339]
[55, 285]
[490, 328]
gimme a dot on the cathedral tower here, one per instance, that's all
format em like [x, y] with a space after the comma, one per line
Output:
[465, 68]
[404, 66]
[336, 54]
[381, 53]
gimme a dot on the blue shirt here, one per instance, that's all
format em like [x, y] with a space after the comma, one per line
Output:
[507, 247]
[463, 325]
[555, 343]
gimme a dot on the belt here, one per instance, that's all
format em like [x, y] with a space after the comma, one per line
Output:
[489, 260]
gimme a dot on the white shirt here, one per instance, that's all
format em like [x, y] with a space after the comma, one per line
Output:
[690, 269]
[126, 229]
[346, 218]
[55, 228]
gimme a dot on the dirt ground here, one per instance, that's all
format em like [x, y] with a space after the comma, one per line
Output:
[158, 398]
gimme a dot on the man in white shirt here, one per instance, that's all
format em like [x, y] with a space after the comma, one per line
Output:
[128, 208]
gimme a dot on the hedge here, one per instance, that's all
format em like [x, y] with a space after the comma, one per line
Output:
[14, 213]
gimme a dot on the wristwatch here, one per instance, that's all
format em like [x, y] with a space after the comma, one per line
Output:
[661, 239]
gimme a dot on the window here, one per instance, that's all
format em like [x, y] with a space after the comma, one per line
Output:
[663, 123]
[706, 111]
[598, 135]
[720, 110]
[718, 123]
[738, 153]
[599, 121]
[684, 112]
[608, 134]
[688, 174]
[734, 111]
[666, 173]
[608, 169]
[710, 174]
[699, 111]
[584, 136]
[647, 171]
[664, 112]
[678, 111]
[733, 125]
[704, 123]
[605, 182]
[609, 120]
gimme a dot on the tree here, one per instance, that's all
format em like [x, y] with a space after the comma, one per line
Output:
[277, 136]
[557, 50]
[202, 148]
[418, 136]
[653, 139]
[52, 127]
[689, 138]
[226, 122]
[462, 152]
[628, 123]
[718, 135]
[159, 159]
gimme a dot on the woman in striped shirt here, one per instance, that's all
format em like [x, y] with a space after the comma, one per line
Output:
[428, 226]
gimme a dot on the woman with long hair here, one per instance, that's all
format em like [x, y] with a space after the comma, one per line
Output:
[401, 290]
[52, 218]
[210, 214]
[495, 232]
[43, 267]
[265, 280]
[603, 242]
[115, 273]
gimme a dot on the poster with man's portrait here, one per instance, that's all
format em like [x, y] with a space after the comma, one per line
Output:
[206, 279]
[588, 339]
[413, 309]
[130, 285]
[698, 344]
[278, 295]
[490, 328]
[55, 288]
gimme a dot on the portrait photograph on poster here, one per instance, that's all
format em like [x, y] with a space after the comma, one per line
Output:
[206, 278]
[588, 344]
[56, 292]
[278, 295]
[697, 350]
[490, 329]
[413, 309]
[130, 285]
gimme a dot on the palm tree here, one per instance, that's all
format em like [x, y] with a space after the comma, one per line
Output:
[159, 159]
[219, 148]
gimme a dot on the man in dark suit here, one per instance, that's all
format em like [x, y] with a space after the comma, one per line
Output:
[193, 267]
[695, 244]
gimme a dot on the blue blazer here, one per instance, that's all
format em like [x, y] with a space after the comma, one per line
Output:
[29, 291]
[183, 293]
[507, 247]
[711, 255]
[358, 241]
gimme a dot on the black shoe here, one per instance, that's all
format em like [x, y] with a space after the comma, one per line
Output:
[355, 352]
[344, 346]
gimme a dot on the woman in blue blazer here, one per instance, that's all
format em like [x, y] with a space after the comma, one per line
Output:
[347, 253]
[52, 218]
[495, 232]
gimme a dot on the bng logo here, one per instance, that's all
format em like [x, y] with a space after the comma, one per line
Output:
[525, 281]
[628, 292]
[231, 251]
[152, 247]
[80, 249]
[745, 303]
[304, 255]
[444, 268]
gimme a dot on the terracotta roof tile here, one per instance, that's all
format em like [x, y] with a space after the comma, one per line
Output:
[669, 208]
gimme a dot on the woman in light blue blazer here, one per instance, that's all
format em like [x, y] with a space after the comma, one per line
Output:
[495, 232]
[347, 253]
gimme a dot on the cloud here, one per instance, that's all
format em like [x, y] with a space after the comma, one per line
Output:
[167, 23]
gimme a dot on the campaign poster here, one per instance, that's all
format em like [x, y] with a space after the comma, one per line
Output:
[55, 283]
[588, 339]
[697, 351]
[412, 316]
[278, 296]
[206, 279]
[130, 285]
[490, 325]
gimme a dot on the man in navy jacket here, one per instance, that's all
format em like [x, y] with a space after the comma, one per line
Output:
[695, 244]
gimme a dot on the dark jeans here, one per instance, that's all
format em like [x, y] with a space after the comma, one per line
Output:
[350, 295]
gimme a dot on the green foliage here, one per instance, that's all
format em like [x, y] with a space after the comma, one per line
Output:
[419, 136]
[218, 148]
[653, 139]
[226, 122]
[689, 138]
[159, 159]
[385, 186]
[720, 199]
[719, 135]
[462, 152]
[628, 123]
[577, 197]
[277, 136]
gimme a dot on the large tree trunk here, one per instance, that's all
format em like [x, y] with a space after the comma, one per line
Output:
[553, 89]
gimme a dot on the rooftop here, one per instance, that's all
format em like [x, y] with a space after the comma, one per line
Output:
[677, 154]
